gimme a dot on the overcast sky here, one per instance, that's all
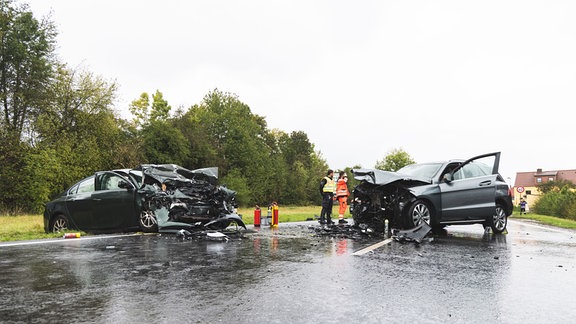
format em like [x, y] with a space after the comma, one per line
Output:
[438, 79]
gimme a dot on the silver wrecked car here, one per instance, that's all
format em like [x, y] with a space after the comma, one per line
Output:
[439, 194]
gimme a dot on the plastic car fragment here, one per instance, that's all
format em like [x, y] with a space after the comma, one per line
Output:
[210, 235]
[415, 234]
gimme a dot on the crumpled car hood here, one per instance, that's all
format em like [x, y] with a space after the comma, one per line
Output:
[173, 173]
[381, 178]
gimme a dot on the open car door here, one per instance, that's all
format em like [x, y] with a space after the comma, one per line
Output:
[469, 190]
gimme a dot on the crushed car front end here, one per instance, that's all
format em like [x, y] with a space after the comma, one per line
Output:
[179, 198]
[381, 196]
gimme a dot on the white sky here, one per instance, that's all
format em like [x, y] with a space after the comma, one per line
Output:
[438, 79]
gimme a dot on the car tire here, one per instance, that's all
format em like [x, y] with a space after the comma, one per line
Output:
[59, 223]
[418, 212]
[148, 222]
[499, 220]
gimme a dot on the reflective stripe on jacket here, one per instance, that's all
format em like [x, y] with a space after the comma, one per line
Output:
[330, 185]
[342, 189]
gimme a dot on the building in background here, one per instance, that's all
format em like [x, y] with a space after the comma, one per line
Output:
[526, 184]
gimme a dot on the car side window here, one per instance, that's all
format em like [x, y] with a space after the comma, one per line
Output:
[470, 170]
[73, 190]
[448, 169]
[86, 185]
[110, 182]
[458, 175]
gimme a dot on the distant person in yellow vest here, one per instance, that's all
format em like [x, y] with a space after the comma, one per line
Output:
[342, 196]
[327, 189]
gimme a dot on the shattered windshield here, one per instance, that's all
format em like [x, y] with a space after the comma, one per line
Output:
[425, 171]
[137, 176]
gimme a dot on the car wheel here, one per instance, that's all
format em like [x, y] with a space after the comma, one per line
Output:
[148, 222]
[60, 223]
[499, 220]
[417, 213]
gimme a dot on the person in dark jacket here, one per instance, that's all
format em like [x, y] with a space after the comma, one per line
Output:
[327, 190]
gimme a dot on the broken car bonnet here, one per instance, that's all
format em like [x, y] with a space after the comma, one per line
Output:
[380, 177]
[174, 173]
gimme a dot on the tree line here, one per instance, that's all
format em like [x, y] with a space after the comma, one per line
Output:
[60, 125]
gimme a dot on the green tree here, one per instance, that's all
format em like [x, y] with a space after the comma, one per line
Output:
[296, 147]
[139, 110]
[316, 172]
[143, 112]
[156, 135]
[201, 145]
[549, 186]
[26, 60]
[394, 160]
[236, 138]
[160, 109]
[235, 180]
[298, 156]
[78, 125]
[164, 143]
[129, 147]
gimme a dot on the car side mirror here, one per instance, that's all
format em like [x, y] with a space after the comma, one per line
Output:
[447, 177]
[124, 185]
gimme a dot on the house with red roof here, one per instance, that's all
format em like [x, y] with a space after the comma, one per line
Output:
[526, 184]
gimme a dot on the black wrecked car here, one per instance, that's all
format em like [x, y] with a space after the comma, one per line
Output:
[150, 198]
[439, 194]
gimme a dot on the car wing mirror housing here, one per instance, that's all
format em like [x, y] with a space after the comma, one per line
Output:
[124, 185]
[447, 177]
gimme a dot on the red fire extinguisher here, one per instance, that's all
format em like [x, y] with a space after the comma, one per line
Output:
[257, 215]
[275, 214]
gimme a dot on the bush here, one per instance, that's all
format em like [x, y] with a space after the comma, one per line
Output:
[560, 203]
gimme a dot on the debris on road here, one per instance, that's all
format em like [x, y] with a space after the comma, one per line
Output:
[211, 235]
[415, 234]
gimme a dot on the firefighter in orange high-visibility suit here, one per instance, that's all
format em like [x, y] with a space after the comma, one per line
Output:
[342, 196]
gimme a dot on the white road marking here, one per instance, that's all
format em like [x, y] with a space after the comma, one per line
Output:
[372, 247]
[60, 240]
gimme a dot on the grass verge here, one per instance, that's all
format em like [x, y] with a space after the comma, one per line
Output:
[23, 227]
[548, 220]
[289, 213]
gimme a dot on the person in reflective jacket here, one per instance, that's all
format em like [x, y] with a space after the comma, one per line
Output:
[327, 189]
[342, 196]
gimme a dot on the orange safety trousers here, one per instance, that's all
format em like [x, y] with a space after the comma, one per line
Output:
[343, 200]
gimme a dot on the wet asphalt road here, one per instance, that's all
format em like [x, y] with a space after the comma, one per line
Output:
[292, 275]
